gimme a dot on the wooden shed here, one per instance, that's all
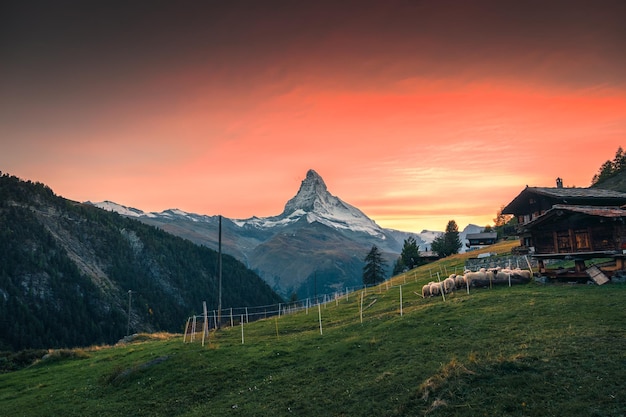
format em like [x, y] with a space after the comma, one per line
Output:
[534, 202]
[571, 223]
[480, 240]
[579, 233]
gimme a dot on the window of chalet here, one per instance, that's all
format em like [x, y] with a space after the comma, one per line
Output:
[563, 242]
[582, 240]
[529, 242]
[603, 238]
[543, 242]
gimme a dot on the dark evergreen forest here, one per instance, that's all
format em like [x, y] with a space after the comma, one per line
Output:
[66, 269]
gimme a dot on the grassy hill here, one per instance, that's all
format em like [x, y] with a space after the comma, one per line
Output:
[527, 350]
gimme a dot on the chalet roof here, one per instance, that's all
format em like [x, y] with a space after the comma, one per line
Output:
[591, 210]
[574, 195]
[596, 211]
[575, 192]
[483, 235]
[429, 254]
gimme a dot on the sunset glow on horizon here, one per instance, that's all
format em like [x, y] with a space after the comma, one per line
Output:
[417, 113]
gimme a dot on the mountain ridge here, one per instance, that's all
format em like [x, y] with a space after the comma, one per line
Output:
[276, 247]
[67, 270]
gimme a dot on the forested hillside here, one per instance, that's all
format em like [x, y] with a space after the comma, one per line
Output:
[612, 174]
[617, 182]
[66, 269]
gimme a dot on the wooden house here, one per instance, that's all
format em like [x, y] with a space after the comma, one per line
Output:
[480, 240]
[570, 223]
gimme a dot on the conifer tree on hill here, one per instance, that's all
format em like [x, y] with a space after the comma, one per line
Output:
[374, 269]
[611, 168]
[409, 257]
[448, 243]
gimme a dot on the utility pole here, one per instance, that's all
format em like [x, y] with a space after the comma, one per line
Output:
[219, 274]
[128, 326]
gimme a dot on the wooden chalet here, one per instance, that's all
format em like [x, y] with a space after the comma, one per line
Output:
[429, 256]
[571, 223]
[480, 240]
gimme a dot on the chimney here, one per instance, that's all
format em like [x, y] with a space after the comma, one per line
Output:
[559, 183]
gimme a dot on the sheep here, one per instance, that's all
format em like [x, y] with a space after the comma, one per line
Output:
[479, 278]
[448, 285]
[495, 276]
[519, 276]
[524, 274]
[426, 291]
[502, 276]
[435, 288]
[459, 281]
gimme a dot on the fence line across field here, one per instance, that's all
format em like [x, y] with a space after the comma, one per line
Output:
[253, 313]
[242, 315]
[232, 316]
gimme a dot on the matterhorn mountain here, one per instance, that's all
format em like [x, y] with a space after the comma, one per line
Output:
[313, 203]
[316, 245]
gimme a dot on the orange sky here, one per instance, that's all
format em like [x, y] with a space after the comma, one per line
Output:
[415, 112]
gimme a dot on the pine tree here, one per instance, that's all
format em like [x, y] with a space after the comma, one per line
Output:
[605, 172]
[501, 223]
[411, 253]
[619, 162]
[448, 243]
[374, 269]
[409, 257]
[611, 168]
[399, 266]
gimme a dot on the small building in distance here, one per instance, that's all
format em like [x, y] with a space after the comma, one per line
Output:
[429, 256]
[480, 240]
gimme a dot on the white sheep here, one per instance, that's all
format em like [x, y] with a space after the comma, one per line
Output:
[494, 276]
[459, 281]
[479, 278]
[426, 291]
[435, 288]
[520, 275]
[448, 285]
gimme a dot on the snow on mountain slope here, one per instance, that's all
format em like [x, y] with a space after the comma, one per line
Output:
[118, 208]
[316, 204]
[313, 203]
[170, 214]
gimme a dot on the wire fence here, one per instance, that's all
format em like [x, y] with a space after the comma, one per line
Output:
[232, 316]
[202, 324]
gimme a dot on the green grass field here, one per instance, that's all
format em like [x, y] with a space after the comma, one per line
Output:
[527, 350]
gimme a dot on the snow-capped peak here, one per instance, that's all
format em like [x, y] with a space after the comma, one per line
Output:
[118, 208]
[311, 195]
[315, 203]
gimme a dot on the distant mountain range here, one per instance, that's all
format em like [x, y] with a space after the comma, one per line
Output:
[316, 245]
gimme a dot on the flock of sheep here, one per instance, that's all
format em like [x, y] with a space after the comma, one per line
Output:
[481, 278]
